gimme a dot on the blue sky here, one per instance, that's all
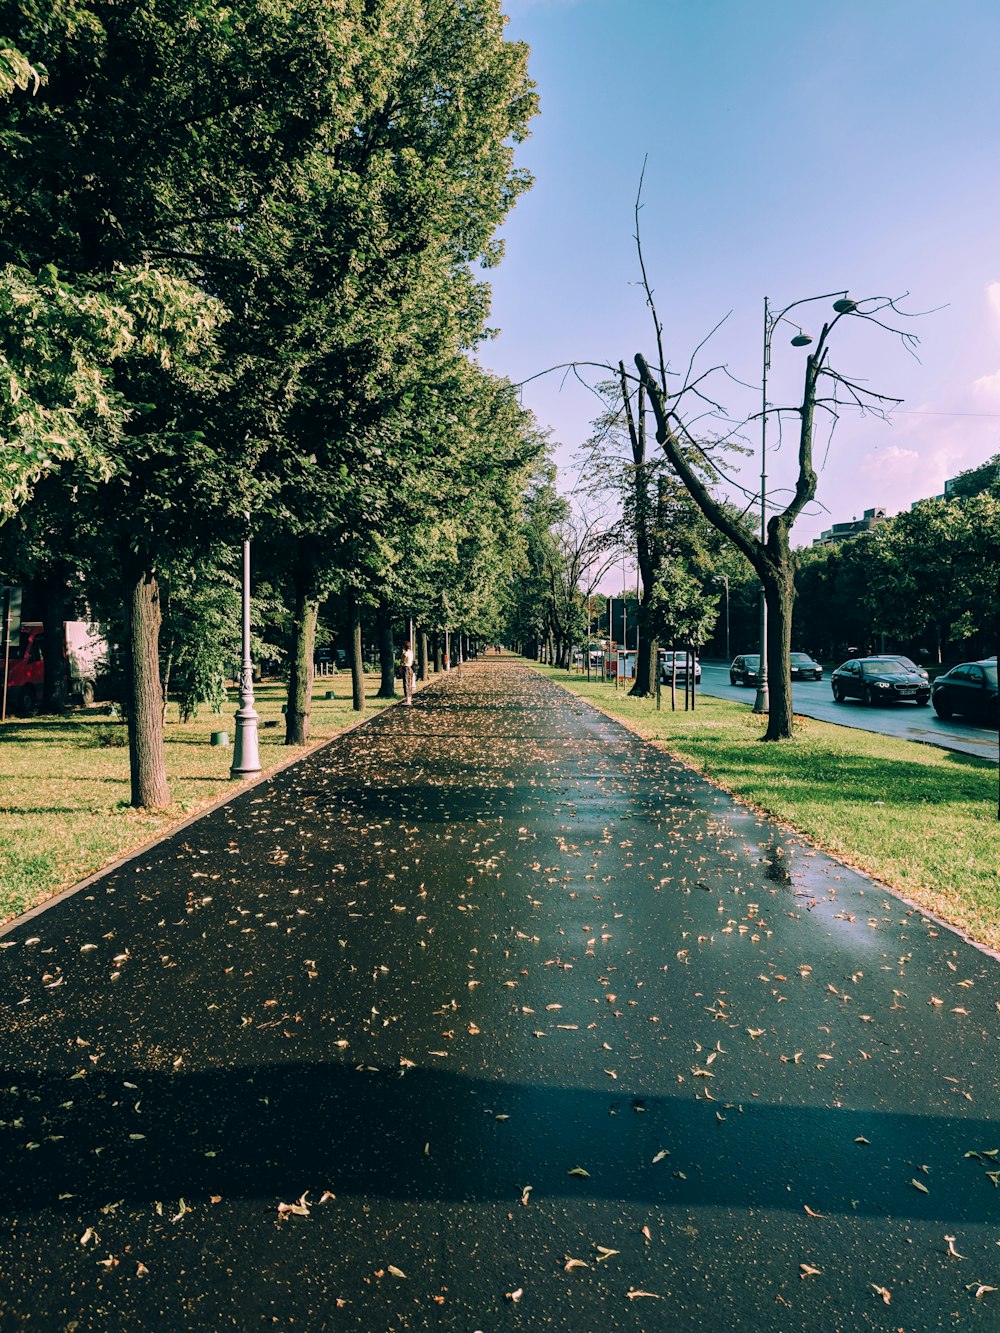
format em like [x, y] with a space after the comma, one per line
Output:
[793, 149]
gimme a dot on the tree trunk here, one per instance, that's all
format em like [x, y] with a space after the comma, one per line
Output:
[437, 650]
[646, 660]
[299, 704]
[423, 670]
[386, 654]
[357, 659]
[56, 687]
[150, 790]
[779, 595]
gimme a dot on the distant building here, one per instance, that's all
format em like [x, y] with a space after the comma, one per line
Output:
[842, 532]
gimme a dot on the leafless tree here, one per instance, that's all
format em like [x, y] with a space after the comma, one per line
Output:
[679, 408]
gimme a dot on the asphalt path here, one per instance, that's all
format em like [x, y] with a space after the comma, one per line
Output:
[906, 721]
[489, 1015]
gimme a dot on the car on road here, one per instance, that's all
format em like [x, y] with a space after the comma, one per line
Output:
[908, 662]
[667, 660]
[969, 689]
[745, 669]
[878, 680]
[805, 667]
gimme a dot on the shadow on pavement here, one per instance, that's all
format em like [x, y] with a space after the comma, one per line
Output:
[391, 1134]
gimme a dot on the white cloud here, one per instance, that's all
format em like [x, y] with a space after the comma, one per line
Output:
[891, 463]
[988, 386]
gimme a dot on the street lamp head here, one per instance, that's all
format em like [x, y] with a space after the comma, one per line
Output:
[845, 306]
[801, 340]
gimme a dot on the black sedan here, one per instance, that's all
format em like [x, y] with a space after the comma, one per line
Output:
[745, 669]
[804, 667]
[878, 680]
[969, 689]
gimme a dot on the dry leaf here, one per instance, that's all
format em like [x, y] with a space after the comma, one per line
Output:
[884, 1292]
[981, 1289]
[951, 1248]
[570, 1264]
[811, 1213]
[514, 1296]
[396, 1272]
[634, 1294]
[919, 1185]
[664, 1152]
[579, 1171]
[809, 1271]
[603, 1252]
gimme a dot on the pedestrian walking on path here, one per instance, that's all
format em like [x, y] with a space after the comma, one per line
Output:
[490, 1015]
[408, 673]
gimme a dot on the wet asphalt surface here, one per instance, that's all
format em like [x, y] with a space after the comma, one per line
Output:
[490, 1016]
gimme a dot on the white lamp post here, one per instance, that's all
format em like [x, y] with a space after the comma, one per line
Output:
[246, 755]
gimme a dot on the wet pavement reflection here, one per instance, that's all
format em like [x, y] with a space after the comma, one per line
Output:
[491, 1015]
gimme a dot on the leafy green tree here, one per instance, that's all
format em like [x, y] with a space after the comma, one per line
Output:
[934, 569]
[681, 610]
[976, 480]
[150, 152]
[371, 286]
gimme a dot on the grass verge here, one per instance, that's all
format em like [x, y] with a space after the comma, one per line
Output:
[64, 784]
[920, 819]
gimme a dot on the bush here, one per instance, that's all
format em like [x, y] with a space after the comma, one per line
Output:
[109, 735]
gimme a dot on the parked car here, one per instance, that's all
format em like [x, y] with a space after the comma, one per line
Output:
[745, 669]
[805, 667]
[906, 661]
[878, 680]
[667, 660]
[969, 689]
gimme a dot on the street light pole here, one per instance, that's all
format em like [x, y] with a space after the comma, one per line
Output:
[771, 322]
[761, 703]
[246, 757]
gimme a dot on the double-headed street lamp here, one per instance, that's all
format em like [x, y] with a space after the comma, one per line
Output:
[843, 306]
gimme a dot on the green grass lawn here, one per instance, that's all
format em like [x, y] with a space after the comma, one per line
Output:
[64, 790]
[920, 819]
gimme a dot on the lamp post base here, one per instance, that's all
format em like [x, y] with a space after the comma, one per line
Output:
[246, 753]
[761, 704]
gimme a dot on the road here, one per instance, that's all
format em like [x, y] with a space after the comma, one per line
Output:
[909, 722]
[491, 1016]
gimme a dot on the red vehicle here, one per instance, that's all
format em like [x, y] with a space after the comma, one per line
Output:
[84, 654]
[26, 671]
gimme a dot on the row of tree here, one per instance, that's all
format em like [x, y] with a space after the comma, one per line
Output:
[238, 284]
[924, 581]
